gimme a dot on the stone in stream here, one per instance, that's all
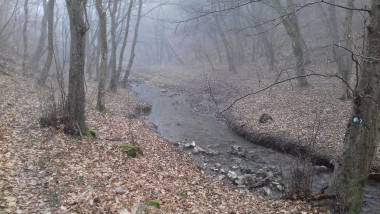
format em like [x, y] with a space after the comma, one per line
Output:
[267, 191]
[232, 175]
[189, 145]
[211, 152]
[198, 150]
[235, 149]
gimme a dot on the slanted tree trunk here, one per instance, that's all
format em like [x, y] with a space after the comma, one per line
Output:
[75, 105]
[293, 31]
[361, 141]
[100, 105]
[50, 17]
[230, 58]
[135, 37]
[25, 37]
[125, 39]
[41, 41]
[113, 82]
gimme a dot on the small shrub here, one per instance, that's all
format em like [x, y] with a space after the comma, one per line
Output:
[131, 150]
[153, 203]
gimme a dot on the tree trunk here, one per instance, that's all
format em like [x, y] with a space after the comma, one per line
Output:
[125, 39]
[50, 17]
[75, 105]
[293, 31]
[41, 41]
[25, 37]
[361, 140]
[135, 37]
[100, 105]
[230, 58]
[347, 60]
[113, 82]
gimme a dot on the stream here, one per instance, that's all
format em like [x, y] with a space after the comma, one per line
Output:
[232, 158]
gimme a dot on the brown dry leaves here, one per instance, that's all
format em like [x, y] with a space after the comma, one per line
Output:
[43, 170]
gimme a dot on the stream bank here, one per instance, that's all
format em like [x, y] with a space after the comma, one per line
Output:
[247, 166]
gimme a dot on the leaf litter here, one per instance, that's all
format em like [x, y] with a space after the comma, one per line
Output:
[45, 171]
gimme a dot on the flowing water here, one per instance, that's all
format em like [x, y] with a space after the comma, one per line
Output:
[177, 122]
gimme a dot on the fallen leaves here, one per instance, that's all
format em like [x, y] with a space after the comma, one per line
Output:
[44, 170]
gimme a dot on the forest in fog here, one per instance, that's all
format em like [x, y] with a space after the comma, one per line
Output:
[197, 106]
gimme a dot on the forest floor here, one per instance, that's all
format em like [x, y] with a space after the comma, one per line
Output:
[45, 171]
[310, 120]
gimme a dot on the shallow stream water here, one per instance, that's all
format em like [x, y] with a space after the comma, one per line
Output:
[177, 122]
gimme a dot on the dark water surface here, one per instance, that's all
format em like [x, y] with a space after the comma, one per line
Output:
[177, 122]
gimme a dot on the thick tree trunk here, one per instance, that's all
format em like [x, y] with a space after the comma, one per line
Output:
[113, 82]
[75, 106]
[25, 37]
[100, 105]
[125, 39]
[134, 43]
[230, 58]
[50, 16]
[361, 140]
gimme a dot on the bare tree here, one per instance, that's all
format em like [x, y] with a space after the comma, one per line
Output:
[227, 46]
[75, 105]
[103, 59]
[50, 18]
[36, 57]
[25, 36]
[113, 83]
[125, 39]
[363, 133]
[134, 42]
[292, 29]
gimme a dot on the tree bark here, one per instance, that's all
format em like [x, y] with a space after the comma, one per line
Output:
[100, 105]
[113, 82]
[25, 37]
[361, 140]
[125, 39]
[293, 31]
[75, 106]
[50, 18]
[135, 37]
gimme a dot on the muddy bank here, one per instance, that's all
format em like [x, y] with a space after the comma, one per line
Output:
[285, 145]
[288, 146]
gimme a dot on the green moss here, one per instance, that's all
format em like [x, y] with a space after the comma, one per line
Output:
[105, 111]
[131, 150]
[89, 133]
[153, 203]
[184, 195]
[80, 180]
